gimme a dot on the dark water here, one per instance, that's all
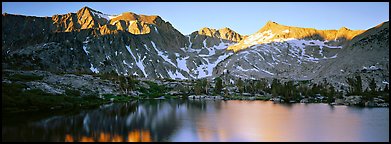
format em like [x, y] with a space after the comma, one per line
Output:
[183, 120]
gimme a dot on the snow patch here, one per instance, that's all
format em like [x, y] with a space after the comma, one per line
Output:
[204, 42]
[139, 62]
[231, 81]
[113, 16]
[335, 56]
[267, 72]
[209, 66]
[124, 62]
[161, 54]
[190, 43]
[242, 69]
[146, 47]
[156, 29]
[85, 47]
[93, 69]
[176, 75]
[100, 15]
[373, 68]
[182, 63]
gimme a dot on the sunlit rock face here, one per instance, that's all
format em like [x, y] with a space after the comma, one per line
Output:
[274, 32]
[209, 37]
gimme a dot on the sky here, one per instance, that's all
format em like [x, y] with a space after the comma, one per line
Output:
[243, 17]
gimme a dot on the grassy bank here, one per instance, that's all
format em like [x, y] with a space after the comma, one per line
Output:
[16, 98]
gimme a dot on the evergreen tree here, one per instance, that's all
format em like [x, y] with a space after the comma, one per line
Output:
[340, 94]
[359, 84]
[123, 84]
[372, 86]
[373, 92]
[250, 86]
[303, 89]
[198, 87]
[218, 86]
[314, 90]
[355, 85]
[239, 84]
[132, 81]
[226, 92]
[289, 91]
[330, 95]
[386, 95]
[386, 89]
[275, 87]
[366, 91]
[260, 85]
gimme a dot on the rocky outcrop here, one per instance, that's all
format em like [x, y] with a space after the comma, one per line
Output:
[86, 85]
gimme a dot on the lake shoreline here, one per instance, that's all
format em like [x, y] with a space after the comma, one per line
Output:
[28, 91]
[109, 99]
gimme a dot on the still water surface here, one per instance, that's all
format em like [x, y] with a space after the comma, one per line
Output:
[184, 120]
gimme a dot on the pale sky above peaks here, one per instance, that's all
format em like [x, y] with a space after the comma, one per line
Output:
[242, 17]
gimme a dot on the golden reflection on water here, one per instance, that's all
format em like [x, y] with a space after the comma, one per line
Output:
[68, 138]
[265, 121]
[133, 136]
[86, 139]
[103, 137]
[139, 136]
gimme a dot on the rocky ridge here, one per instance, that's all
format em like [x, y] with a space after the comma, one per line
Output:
[89, 41]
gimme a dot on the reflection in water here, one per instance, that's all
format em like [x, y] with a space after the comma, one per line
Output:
[198, 120]
[133, 136]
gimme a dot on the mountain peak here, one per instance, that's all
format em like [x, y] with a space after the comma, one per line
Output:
[85, 8]
[271, 23]
[89, 10]
[225, 29]
[85, 11]
[206, 29]
[344, 28]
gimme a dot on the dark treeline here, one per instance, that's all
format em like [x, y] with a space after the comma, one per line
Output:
[288, 91]
[370, 92]
[294, 90]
